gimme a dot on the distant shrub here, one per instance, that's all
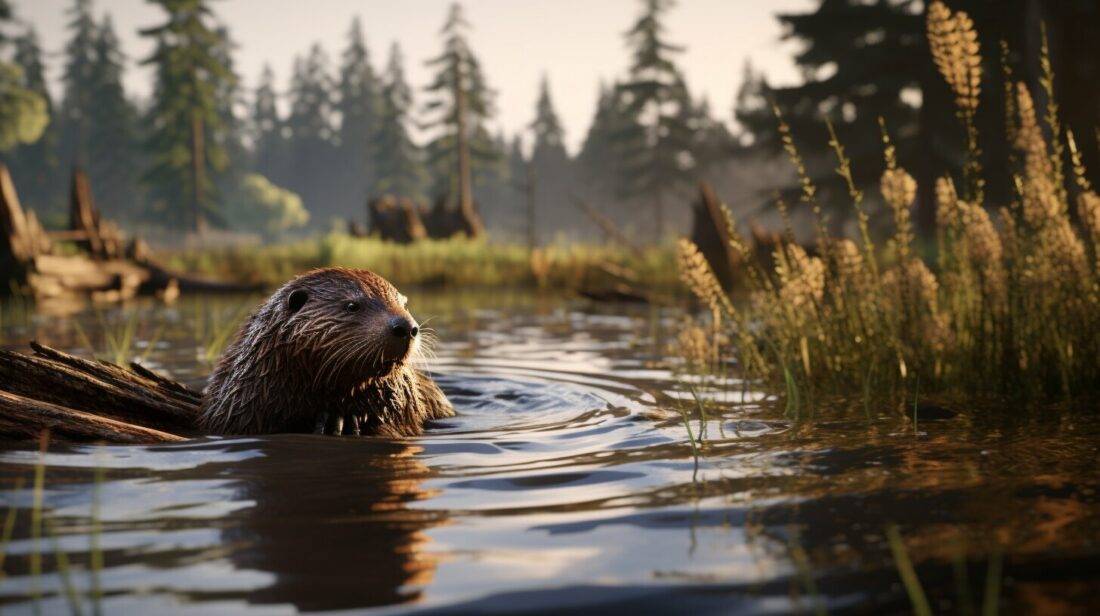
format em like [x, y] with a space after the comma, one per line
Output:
[258, 205]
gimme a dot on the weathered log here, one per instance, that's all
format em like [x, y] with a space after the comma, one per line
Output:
[711, 234]
[103, 389]
[22, 417]
[16, 249]
[444, 221]
[395, 220]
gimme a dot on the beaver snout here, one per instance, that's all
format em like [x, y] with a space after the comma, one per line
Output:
[404, 327]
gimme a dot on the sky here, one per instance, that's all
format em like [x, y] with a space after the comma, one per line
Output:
[576, 43]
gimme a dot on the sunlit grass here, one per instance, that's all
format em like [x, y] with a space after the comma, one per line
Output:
[452, 262]
[1009, 304]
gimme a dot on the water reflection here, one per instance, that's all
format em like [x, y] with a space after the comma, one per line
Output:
[567, 483]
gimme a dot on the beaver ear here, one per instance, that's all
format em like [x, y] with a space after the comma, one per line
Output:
[297, 299]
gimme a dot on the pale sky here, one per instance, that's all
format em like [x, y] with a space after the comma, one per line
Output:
[575, 42]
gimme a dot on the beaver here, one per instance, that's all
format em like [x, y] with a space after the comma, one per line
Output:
[329, 352]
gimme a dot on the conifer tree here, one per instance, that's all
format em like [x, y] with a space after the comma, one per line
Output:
[266, 128]
[34, 165]
[400, 169]
[657, 148]
[358, 110]
[113, 139]
[228, 101]
[462, 103]
[77, 97]
[312, 134]
[185, 129]
[550, 169]
[598, 163]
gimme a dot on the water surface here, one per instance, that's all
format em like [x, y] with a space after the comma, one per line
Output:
[566, 483]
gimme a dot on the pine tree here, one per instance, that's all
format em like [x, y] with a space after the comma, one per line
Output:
[113, 139]
[77, 98]
[550, 168]
[399, 170]
[358, 110]
[266, 128]
[229, 100]
[598, 162]
[312, 136]
[185, 128]
[462, 104]
[657, 149]
[34, 165]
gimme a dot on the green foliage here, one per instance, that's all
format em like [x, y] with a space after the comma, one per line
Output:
[34, 164]
[400, 170]
[186, 130]
[23, 113]
[259, 205]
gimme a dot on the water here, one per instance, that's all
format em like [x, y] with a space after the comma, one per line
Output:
[566, 483]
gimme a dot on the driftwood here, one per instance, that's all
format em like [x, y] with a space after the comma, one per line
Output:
[108, 267]
[444, 221]
[711, 233]
[395, 219]
[79, 399]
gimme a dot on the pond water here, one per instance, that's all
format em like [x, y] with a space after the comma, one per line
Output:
[567, 482]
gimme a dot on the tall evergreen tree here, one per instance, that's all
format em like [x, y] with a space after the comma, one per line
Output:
[550, 168]
[358, 110]
[266, 128]
[657, 149]
[462, 104]
[77, 101]
[312, 136]
[113, 139]
[229, 100]
[185, 128]
[34, 165]
[598, 162]
[400, 169]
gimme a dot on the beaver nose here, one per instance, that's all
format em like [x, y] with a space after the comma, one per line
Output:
[403, 328]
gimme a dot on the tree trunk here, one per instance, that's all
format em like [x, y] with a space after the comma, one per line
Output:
[466, 208]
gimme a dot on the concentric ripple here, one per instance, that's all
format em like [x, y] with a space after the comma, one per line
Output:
[582, 474]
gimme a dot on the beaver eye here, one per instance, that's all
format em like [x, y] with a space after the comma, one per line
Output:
[352, 306]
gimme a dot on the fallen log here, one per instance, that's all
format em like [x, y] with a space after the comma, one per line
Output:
[107, 268]
[80, 399]
[26, 418]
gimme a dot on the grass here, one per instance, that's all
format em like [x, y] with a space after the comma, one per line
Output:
[457, 262]
[1008, 304]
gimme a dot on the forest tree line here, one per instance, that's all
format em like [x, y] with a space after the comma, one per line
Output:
[206, 151]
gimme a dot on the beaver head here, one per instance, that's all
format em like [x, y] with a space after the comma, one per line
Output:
[345, 326]
[329, 339]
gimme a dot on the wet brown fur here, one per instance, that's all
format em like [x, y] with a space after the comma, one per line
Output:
[288, 367]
